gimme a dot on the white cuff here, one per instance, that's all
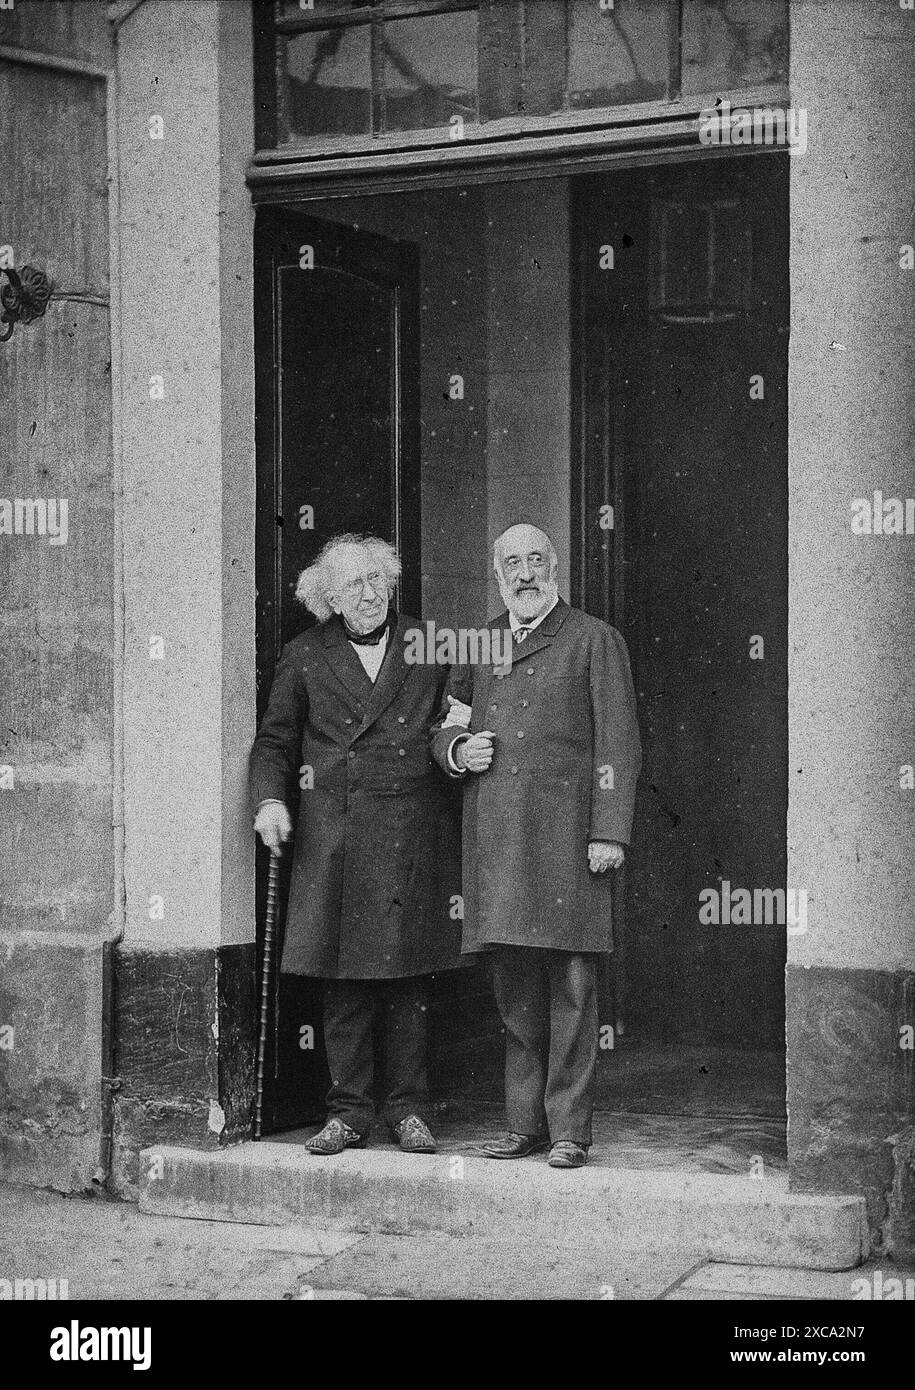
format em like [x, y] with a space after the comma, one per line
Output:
[449, 757]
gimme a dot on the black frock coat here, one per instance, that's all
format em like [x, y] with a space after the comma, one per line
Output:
[375, 870]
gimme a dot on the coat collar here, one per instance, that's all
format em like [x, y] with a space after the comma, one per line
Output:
[541, 636]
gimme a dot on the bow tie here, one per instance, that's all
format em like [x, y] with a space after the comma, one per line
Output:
[367, 639]
[520, 633]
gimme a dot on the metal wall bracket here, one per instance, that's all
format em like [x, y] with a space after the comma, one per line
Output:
[24, 298]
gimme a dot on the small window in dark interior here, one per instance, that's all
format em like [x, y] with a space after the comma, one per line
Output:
[702, 256]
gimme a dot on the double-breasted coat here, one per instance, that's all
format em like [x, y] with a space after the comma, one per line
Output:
[566, 758]
[375, 855]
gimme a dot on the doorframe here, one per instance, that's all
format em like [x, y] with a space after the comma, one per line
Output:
[289, 181]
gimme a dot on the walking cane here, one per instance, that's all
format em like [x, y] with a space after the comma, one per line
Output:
[266, 984]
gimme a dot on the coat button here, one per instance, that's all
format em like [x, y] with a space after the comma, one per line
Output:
[530, 670]
[400, 719]
[521, 733]
[402, 752]
[347, 721]
[514, 770]
[493, 706]
[524, 704]
[352, 752]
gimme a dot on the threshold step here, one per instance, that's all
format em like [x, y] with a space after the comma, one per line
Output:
[736, 1219]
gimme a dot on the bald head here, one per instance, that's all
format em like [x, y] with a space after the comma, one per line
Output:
[522, 540]
[524, 559]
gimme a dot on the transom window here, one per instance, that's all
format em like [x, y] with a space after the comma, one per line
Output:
[333, 72]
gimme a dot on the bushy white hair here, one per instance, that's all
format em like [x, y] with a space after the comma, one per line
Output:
[317, 581]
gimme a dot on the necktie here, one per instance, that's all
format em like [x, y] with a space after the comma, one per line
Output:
[368, 639]
[520, 633]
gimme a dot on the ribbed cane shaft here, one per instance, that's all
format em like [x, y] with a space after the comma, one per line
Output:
[266, 988]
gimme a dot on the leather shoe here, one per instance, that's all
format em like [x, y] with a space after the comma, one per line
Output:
[565, 1153]
[414, 1136]
[334, 1138]
[514, 1146]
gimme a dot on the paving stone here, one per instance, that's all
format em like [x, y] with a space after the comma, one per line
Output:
[475, 1268]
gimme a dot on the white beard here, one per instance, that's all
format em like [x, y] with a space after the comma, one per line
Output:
[528, 606]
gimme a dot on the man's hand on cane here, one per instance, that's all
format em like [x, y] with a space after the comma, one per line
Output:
[274, 825]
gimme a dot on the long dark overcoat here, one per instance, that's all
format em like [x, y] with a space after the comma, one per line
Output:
[567, 756]
[375, 858]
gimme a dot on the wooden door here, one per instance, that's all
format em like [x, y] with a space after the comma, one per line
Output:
[337, 362]
[681, 426]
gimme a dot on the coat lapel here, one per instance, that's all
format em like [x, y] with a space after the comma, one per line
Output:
[344, 662]
[390, 678]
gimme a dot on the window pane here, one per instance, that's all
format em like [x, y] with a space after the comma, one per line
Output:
[430, 70]
[733, 43]
[329, 82]
[618, 55]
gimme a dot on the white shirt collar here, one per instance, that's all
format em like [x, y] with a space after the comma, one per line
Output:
[515, 623]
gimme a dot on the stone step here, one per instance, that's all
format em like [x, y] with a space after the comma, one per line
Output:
[729, 1218]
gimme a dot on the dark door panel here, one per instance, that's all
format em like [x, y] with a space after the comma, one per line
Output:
[337, 380]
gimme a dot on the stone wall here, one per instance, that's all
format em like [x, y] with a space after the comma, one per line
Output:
[57, 621]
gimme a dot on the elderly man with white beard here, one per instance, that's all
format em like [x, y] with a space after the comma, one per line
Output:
[549, 751]
[374, 861]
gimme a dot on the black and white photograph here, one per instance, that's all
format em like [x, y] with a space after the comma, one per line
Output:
[457, 679]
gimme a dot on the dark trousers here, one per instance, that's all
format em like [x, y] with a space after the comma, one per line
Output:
[548, 1003]
[351, 1009]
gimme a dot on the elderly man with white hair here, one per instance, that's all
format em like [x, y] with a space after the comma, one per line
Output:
[550, 754]
[346, 734]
